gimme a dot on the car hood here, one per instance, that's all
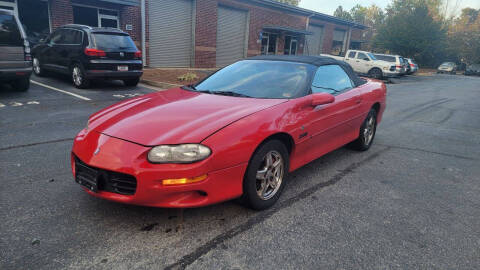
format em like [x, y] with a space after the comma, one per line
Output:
[174, 116]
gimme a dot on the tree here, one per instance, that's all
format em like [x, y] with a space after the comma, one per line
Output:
[290, 2]
[359, 14]
[464, 37]
[411, 31]
[341, 13]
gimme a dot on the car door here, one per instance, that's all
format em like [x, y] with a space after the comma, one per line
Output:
[49, 54]
[350, 59]
[332, 125]
[363, 62]
[69, 47]
[60, 50]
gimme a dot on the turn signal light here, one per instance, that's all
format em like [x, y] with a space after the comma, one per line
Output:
[95, 52]
[138, 54]
[183, 181]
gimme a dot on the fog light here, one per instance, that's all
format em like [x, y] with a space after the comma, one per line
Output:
[182, 181]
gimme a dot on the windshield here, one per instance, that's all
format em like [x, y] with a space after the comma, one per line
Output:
[372, 56]
[386, 58]
[448, 64]
[113, 42]
[260, 79]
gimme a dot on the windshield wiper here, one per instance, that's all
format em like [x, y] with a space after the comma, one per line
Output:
[229, 93]
[328, 88]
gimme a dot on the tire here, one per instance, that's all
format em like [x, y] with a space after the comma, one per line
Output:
[375, 73]
[367, 132]
[131, 82]
[22, 84]
[263, 183]
[37, 68]
[78, 77]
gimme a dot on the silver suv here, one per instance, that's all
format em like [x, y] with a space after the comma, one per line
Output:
[15, 58]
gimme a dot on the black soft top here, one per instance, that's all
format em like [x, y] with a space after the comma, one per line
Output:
[313, 60]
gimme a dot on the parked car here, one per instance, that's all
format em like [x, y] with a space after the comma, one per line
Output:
[413, 66]
[473, 69]
[237, 133]
[365, 63]
[15, 58]
[395, 60]
[87, 53]
[447, 67]
[408, 69]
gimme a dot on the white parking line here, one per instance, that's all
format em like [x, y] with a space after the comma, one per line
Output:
[60, 90]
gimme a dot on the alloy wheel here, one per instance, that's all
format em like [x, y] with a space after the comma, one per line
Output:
[36, 66]
[369, 130]
[77, 76]
[270, 175]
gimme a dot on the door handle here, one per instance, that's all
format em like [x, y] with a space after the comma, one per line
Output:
[358, 100]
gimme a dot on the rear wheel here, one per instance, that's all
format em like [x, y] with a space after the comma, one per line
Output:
[375, 73]
[78, 77]
[367, 132]
[131, 82]
[22, 84]
[265, 176]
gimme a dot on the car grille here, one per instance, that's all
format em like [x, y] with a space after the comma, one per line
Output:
[105, 180]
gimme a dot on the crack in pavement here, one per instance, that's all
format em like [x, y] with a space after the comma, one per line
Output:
[427, 151]
[213, 243]
[33, 144]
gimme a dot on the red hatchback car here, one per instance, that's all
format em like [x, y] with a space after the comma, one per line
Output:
[236, 134]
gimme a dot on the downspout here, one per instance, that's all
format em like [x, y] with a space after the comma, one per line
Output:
[144, 47]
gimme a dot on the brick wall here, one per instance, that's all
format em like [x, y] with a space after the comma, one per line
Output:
[205, 33]
[61, 13]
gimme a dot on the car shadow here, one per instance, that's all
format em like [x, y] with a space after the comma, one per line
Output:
[217, 217]
[95, 85]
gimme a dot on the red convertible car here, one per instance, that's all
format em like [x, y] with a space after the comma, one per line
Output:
[236, 134]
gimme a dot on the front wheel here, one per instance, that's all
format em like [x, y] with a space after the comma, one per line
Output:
[265, 176]
[367, 132]
[78, 77]
[375, 73]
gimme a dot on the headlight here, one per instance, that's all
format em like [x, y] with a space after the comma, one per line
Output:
[183, 153]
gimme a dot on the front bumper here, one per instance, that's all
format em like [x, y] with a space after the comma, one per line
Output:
[129, 158]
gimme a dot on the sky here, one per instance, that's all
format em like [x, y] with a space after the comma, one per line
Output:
[328, 7]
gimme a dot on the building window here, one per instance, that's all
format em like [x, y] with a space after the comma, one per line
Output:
[338, 42]
[291, 44]
[95, 17]
[269, 43]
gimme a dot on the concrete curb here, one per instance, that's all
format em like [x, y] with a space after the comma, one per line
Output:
[162, 85]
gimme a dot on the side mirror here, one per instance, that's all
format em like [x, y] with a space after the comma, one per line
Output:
[42, 40]
[322, 99]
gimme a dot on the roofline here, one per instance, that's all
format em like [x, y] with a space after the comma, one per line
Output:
[303, 11]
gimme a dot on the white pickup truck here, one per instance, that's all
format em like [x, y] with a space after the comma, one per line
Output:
[365, 63]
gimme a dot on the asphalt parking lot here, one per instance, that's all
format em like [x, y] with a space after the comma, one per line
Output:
[411, 202]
